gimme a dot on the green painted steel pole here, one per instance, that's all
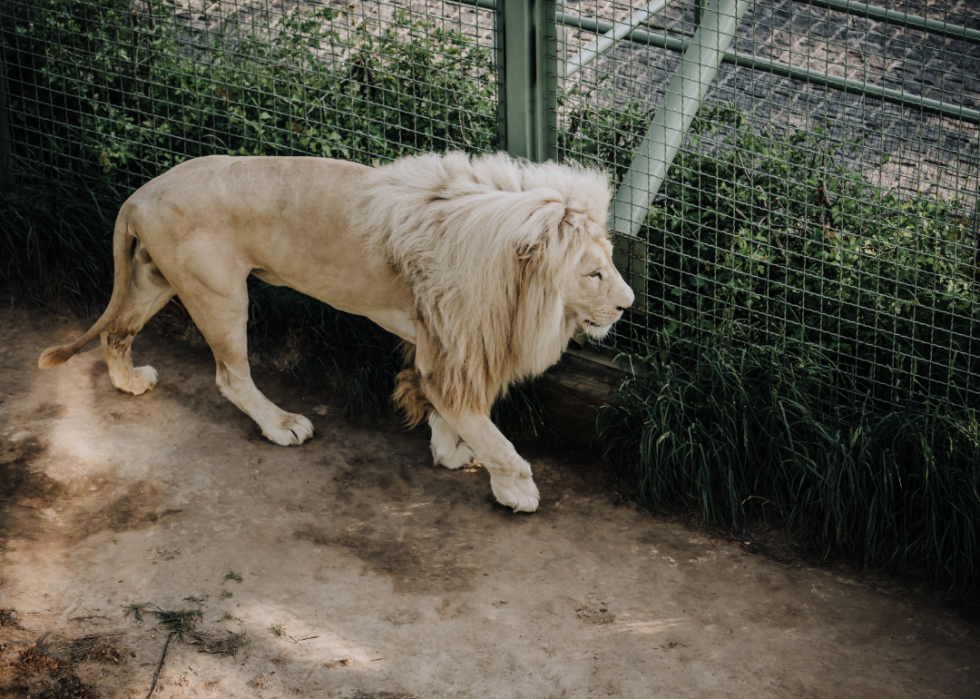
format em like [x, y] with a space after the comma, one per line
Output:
[684, 96]
[528, 70]
[606, 41]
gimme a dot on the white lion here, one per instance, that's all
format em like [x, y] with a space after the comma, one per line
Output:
[485, 267]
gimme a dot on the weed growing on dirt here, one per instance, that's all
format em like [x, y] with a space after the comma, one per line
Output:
[232, 575]
[278, 630]
[180, 621]
[136, 610]
[41, 670]
[96, 648]
[183, 623]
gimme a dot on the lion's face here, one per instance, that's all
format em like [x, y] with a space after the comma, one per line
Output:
[595, 294]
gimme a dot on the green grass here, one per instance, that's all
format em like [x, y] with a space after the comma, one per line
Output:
[743, 432]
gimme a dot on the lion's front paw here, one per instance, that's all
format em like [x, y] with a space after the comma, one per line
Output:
[294, 430]
[144, 378]
[517, 491]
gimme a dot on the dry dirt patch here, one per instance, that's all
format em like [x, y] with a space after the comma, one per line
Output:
[351, 564]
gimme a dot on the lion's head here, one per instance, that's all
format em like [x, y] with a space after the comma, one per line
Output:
[505, 260]
[595, 295]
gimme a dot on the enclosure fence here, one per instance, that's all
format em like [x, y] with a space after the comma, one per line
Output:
[785, 171]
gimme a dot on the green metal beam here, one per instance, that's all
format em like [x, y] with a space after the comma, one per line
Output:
[683, 98]
[859, 9]
[605, 42]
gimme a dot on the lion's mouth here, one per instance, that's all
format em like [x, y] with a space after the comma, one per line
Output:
[595, 330]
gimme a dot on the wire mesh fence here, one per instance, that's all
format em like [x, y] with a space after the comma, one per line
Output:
[826, 191]
[120, 90]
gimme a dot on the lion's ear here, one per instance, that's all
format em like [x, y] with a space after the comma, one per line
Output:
[543, 228]
[551, 249]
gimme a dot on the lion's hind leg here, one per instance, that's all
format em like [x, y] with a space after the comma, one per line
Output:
[149, 291]
[448, 448]
[222, 317]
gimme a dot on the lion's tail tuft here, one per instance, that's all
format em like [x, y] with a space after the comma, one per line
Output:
[410, 397]
[122, 244]
[56, 356]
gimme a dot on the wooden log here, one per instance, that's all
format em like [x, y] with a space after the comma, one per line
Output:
[574, 389]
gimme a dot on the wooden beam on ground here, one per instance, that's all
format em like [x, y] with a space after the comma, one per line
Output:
[574, 389]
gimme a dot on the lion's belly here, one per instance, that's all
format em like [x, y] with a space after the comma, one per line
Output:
[360, 290]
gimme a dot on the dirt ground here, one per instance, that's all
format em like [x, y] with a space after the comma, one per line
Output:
[365, 570]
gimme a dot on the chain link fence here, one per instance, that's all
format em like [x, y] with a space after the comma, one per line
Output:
[826, 190]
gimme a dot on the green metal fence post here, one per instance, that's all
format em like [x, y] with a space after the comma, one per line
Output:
[528, 72]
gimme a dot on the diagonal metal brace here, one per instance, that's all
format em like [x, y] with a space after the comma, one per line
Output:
[646, 175]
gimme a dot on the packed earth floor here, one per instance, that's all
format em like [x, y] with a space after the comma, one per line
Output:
[354, 567]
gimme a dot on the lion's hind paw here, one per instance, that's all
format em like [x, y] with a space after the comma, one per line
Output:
[144, 378]
[460, 456]
[517, 491]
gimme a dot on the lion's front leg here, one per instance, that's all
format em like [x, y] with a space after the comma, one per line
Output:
[510, 475]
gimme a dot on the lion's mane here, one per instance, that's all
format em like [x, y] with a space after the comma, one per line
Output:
[485, 243]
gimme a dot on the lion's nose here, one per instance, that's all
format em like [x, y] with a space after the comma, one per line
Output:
[631, 297]
[627, 297]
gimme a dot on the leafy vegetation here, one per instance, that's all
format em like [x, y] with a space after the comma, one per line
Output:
[774, 237]
[98, 89]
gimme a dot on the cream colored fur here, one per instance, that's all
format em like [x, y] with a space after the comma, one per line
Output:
[486, 266]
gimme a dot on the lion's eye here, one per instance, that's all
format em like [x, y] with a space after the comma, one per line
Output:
[597, 274]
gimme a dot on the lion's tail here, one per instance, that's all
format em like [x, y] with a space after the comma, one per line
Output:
[122, 241]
